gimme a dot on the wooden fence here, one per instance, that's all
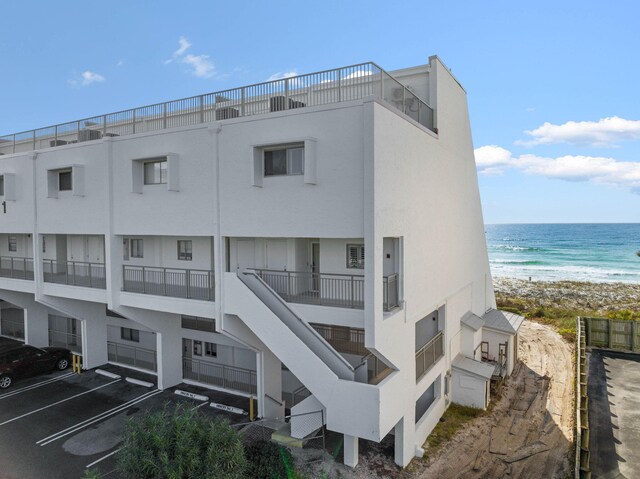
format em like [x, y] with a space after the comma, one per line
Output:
[619, 334]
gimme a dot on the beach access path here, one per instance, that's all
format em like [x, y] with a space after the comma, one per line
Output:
[529, 431]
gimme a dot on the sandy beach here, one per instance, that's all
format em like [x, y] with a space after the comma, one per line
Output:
[597, 297]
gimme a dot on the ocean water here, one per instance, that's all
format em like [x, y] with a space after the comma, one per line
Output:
[577, 252]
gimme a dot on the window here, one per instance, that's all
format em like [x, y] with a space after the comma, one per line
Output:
[284, 161]
[129, 334]
[1, 185]
[211, 350]
[64, 180]
[155, 172]
[355, 256]
[184, 250]
[13, 243]
[197, 348]
[137, 248]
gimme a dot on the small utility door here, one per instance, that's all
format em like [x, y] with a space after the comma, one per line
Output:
[245, 255]
[277, 255]
[315, 266]
[187, 350]
[95, 249]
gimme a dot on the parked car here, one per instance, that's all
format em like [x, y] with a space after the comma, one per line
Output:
[23, 361]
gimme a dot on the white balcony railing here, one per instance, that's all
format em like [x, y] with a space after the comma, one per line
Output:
[321, 88]
[132, 356]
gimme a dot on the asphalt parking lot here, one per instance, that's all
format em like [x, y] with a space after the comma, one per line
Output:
[614, 414]
[56, 425]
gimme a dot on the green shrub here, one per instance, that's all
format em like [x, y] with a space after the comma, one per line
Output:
[180, 444]
[268, 460]
[91, 474]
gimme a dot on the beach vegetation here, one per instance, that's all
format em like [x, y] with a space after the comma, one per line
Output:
[454, 419]
[625, 314]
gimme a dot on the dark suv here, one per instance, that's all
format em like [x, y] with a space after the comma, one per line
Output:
[21, 361]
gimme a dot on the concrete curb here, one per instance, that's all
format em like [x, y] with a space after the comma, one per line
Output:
[146, 384]
[107, 374]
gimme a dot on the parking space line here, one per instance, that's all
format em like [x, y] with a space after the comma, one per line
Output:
[103, 458]
[34, 386]
[98, 418]
[58, 402]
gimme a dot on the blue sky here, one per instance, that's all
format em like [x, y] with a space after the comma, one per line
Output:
[565, 71]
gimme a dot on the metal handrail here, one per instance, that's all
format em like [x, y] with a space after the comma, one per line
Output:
[71, 273]
[136, 361]
[424, 361]
[331, 86]
[173, 282]
[221, 380]
[14, 271]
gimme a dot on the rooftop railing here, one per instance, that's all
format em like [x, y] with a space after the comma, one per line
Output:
[331, 86]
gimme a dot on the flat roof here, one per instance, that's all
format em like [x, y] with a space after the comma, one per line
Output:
[471, 366]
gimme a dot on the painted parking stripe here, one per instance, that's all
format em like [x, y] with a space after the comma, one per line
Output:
[103, 458]
[98, 416]
[95, 419]
[34, 386]
[58, 402]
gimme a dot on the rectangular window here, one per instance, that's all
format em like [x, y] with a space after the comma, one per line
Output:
[137, 248]
[125, 249]
[355, 256]
[64, 180]
[284, 161]
[184, 250]
[211, 350]
[13, 243]
[129, 334]
[155, 172]
[197, 348]
[1, 185]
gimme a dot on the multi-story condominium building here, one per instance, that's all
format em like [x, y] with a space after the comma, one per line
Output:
[316, 242]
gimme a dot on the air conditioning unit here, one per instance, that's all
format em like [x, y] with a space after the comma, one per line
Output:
[88, 135]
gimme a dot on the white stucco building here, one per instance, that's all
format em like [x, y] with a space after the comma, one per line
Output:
[316, 242]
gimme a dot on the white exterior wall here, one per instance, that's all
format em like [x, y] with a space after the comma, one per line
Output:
[377, 175]
[469, 390]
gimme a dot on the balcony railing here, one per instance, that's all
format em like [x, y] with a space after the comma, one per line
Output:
[227, 377]
[331, 86]
[429, 354]
[177, 283]
[343, 339]
[132, 356]
[327, 289]
[74, 273]
[18, 268]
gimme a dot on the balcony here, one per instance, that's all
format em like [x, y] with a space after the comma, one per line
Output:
[322, 88]
[74, 273]
[429, 354]
[173, 282]
[16, 268]
[326, 289]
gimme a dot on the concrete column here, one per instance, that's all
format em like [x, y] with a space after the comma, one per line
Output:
[404, 442]
[36, 325]
[94, 339]
[169, 354]
[270, 378]
[350, 451]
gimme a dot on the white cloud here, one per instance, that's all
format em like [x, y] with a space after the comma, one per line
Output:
[358, 74]
[281, 76]
[606, 132]
[86, 78]
[201, 66]
[601, 170]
